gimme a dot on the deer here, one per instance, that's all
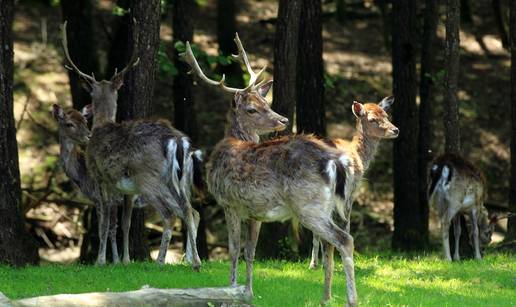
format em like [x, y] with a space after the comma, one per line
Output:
[372, 125]
[149, 158]
[297, 176]
[74, 133]
[458, 187]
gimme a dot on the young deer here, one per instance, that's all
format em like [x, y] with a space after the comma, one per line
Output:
[457, 187]
[139, 157]
[372, 126]
[291, 177]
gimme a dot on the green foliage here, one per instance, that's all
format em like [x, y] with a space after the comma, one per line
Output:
[165, 64]
[438, 77]
[381, 280]
[119, 11]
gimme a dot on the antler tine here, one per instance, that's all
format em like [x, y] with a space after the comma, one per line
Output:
[242, 56]
[189, 58]
[64, 41]
[134, 58]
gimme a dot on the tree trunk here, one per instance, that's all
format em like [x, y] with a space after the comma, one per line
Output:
[340, 11]
[16, 246]
[226, 29]
[466, 15]
[427, 91]
[409, 232]
[451, 104]
[283, 102]
[82, 46]
[185, 119]
[511, 224]
[310, 71]
[498, 15]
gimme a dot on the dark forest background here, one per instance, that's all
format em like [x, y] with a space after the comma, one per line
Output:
[448, 63]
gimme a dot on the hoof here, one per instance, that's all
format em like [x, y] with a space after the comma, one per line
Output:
[100, 262]
[312, 266]
[196, 268]
[126, 261]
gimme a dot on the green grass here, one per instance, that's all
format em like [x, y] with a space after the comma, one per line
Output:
[381, 281]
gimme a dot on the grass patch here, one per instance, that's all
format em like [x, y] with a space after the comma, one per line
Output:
[381, 280]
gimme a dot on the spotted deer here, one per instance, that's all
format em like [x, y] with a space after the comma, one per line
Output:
[458, 187]
[372, 125]
[139, 157]
[296, 176]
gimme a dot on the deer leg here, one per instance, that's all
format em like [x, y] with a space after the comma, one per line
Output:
[445, 228]
[189, 248]
[253, 231]
[315, 252]
[456, 233]
[233, 224]
[326, 229]
[191, 218]
[328, 269]
[103, 217]
[113, 215]
[474, 224]
[165, 238]
[126, 226]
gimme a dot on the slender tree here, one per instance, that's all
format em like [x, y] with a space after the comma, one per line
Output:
[409, 232]
[185, 119]
[511, 224]
[16, 246]
[426, 92]
[500, 23]
[82, 44]
[310, 113]
[226, 29]
[451, 104]
[283, 101]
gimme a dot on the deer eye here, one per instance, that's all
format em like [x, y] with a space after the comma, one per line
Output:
[69, 125]
[251, 111]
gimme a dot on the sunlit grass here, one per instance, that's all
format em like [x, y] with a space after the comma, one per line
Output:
[381, 281]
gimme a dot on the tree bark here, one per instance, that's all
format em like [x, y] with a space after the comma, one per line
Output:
[451, 104]
[511, 224]
[310, 112]
[498, 15]
[82, 46]
[185, 119]
[409, 232]
[16, 246]
[226, 29]
[426, 92]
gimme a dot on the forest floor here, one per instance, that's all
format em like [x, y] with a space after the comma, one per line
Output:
[392, 280]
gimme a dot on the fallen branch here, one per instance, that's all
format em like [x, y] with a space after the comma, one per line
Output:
[232, 296]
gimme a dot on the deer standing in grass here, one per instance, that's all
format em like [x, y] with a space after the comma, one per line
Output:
[372, 126]
[458, 187]
[291, 177]
[140, 157]
[74, 133]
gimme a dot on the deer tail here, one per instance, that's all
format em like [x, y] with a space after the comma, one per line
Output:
[335, 173]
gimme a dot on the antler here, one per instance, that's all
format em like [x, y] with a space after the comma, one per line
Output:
[242, 56]
[189, 57]
[64, 40]
[134, 59]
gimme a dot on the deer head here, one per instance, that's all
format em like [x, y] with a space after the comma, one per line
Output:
[72, 125]
[250, 111]
[373, 119]
[104, 93]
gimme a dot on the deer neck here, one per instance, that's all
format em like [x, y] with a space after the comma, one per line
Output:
[365, 147]
[103, 113]
[71, 159]
[238, 130]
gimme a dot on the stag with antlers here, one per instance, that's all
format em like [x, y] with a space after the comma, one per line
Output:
[139, 157]
[291, 177]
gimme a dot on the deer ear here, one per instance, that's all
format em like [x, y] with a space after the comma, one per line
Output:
[386, 103]
[264, 88]
[57, 112]
[358, 109]
[87, 111]
[86, 86]
[117, 82]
